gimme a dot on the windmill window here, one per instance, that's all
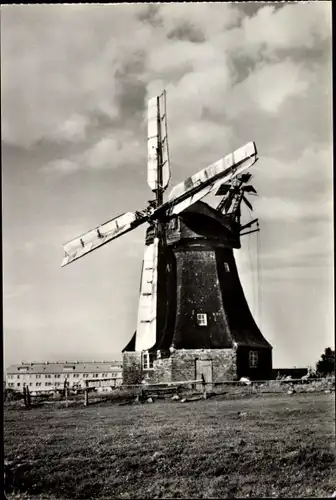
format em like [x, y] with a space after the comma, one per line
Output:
[226, 267]
[174, 224]
[202, 319]
[148, 360]
[253, 359]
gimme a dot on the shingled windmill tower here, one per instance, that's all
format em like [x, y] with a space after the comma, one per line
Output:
[193, 318]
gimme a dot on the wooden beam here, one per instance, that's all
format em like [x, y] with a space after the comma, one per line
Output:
[249, 232]
[249, 224]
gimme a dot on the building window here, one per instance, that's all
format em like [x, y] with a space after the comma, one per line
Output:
[148, 360]
[18, 384]
[58, 376]
[202, 319]
[17, 376]
[253, 359]
[226, 267]
[38, 384]
[38, 376]
[47, 376]
[175, 223]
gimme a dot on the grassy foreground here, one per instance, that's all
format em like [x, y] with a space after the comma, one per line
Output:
[271, 446]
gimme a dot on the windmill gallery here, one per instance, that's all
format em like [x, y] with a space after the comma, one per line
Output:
[193, 318]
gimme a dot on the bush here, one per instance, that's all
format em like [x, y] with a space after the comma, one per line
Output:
[326, 365]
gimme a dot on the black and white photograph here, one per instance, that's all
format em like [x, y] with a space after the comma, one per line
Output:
[168, 250]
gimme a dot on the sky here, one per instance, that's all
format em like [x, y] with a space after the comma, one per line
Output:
[75, 80]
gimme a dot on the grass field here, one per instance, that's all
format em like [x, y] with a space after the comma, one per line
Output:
[282, 447]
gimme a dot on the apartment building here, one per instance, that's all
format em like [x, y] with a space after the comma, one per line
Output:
[47, 376]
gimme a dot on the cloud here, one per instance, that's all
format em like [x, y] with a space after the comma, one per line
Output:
[272, 29]
[73, 129]
[306, 253]
[67, 75]
[62, 166]
[197, 51]
[305, 181]
[113, 151]
[267, 88]
[278, 209]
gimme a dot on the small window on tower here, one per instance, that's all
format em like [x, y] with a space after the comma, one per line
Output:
[202, 319]
[226, 267]
[253, 359]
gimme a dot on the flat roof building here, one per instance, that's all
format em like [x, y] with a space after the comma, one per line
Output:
[48, 376]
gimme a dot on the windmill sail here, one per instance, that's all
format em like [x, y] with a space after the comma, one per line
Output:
[207, 180]
[147, 312]
[158, 173]
[102, 234]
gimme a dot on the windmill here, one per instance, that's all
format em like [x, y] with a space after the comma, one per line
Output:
[180, 225]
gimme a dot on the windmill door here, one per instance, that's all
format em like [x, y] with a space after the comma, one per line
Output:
[204, 369]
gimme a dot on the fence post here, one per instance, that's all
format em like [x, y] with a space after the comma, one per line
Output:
[86, 394]
[66, 392]
[24, 395]
[28, 396]
[204, 387]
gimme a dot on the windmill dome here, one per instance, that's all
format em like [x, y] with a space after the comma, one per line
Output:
[200, 221]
